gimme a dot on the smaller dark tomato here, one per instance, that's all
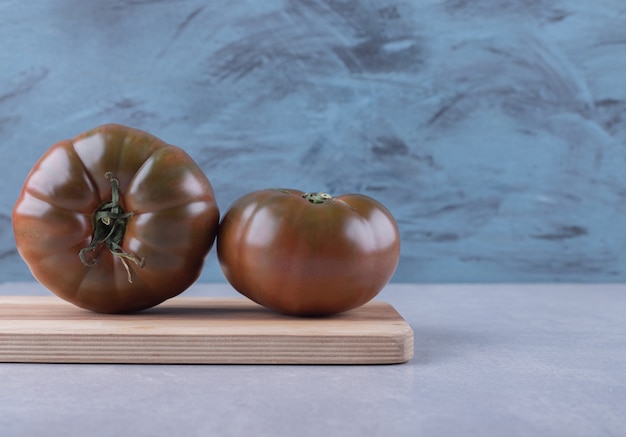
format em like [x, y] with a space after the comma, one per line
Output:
[308, 254]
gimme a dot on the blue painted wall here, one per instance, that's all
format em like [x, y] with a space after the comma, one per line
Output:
[495, 131]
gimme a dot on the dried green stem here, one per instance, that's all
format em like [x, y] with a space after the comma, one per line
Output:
[318, 197]
[110, 221]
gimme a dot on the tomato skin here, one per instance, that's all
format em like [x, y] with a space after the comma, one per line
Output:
[172, 227]
[308, 259]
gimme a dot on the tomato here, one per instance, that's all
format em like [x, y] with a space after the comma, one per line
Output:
[308, 254]
[115, 220]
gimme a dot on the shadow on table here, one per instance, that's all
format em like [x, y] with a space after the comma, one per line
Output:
[437, 344]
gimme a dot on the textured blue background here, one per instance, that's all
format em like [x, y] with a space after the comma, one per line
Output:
[495, 131]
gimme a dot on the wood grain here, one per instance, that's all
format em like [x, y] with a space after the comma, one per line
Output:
[199, 330]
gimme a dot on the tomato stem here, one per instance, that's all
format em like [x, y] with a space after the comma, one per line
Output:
[318, 197]
[110, 222]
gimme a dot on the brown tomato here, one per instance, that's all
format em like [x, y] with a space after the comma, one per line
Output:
[308, 254]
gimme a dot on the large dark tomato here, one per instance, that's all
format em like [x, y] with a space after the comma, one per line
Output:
[308, 254]
[115, 220]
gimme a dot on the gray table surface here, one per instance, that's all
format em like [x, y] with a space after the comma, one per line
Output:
[490, 360]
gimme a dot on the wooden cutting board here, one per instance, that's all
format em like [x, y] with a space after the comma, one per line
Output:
[199, 330]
